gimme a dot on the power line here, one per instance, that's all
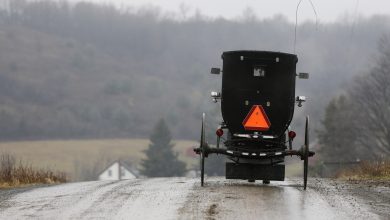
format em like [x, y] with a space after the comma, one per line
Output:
[296, 20]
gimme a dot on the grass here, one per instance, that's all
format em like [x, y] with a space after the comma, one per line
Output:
[368, 170]
[15, 174]
[74, 157]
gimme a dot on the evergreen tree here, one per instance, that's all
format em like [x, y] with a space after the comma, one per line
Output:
[161, 161]
[337, 138]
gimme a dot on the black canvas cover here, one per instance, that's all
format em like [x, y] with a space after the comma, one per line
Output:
[258, 78]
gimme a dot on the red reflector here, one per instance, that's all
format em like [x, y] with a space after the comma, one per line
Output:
[256, 119]
[219, 132]
[292, 134]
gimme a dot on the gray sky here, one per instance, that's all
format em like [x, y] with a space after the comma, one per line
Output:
[327, 10]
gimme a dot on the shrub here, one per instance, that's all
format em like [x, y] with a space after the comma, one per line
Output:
[18, 174]
[368, 170]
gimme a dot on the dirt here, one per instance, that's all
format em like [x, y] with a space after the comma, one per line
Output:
[212, 211]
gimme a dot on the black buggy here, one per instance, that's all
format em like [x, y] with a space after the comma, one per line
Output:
[257, 104]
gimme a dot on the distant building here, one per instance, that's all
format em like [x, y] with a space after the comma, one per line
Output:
[118, 170]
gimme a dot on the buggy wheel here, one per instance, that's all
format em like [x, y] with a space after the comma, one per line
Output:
[305, 154]
[203, 146]
[201, 169]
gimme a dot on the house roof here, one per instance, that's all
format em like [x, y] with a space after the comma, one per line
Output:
[123, 164]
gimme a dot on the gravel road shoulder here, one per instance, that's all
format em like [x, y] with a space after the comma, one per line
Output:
[374, 194]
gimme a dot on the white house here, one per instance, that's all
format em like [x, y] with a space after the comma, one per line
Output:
[117, 171]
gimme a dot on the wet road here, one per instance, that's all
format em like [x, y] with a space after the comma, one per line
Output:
[182, 198]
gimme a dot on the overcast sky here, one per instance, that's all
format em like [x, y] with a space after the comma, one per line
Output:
[327, 10]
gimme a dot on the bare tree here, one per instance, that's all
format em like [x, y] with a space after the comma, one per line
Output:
[357, 125]
[370, 94]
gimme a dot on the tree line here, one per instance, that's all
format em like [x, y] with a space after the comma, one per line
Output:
[85, 70]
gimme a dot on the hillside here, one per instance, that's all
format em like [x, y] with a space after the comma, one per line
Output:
[94, 71]
[54, 87]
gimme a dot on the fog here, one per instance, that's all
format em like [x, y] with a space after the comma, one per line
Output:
[93, 71]
[328, 11]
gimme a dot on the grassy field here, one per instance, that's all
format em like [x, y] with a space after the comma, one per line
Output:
[78, 157]
[82, 159]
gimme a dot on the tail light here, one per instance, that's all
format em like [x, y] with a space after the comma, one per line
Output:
[292, 134]
[219, 132]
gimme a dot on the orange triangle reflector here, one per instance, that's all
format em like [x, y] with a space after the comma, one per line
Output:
[256, 119]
